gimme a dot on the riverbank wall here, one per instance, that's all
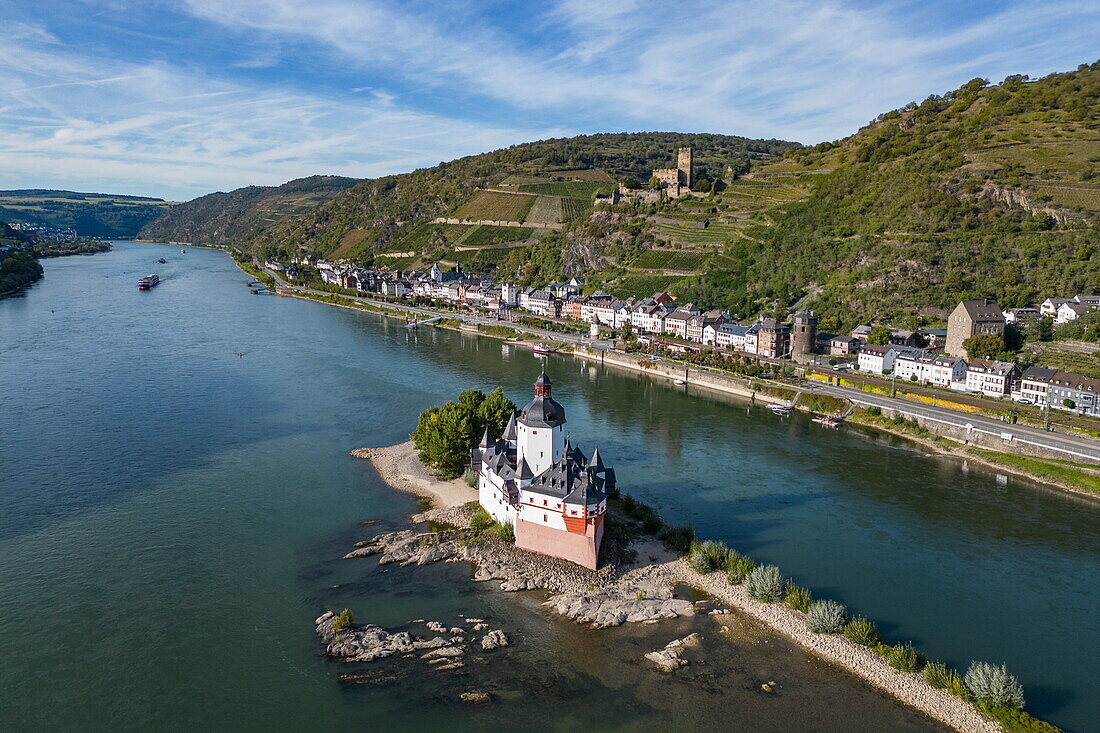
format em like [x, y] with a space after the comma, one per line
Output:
[694, 377]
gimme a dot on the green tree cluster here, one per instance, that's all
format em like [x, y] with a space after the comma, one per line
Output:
[444, 435]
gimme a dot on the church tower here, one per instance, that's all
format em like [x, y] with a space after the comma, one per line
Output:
[540, 429]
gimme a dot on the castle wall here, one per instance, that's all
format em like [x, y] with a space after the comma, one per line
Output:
[582, 549]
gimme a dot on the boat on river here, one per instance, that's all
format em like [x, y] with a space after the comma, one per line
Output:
[779, 409]
[162, 261]
[148, 281]
[542, 349]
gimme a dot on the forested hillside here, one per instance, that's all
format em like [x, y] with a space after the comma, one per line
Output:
[984, 191]
[89, 214]
[391, 215]
[238, 216]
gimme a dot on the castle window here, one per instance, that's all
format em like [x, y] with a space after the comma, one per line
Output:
[545, 518]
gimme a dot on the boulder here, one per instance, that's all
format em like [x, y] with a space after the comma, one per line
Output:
[494, 639]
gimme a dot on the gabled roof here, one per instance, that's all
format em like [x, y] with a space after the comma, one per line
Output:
[1038, 374]
[983, 310]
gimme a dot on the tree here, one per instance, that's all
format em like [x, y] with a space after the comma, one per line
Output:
[631, 182]
[495, 411]
[1069, 403]
[1044, 329]
[879, 336]
[653, 184]
[702, 185]
[983, 346]
[627, 331]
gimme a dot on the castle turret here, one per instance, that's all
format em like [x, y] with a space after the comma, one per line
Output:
[803, 334]
[685, 163]
[540, 431]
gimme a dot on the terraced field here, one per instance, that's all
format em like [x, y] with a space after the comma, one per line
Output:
[587, 174]
[426, 235]
[487, 235]
[572, 208]
[546, 210]
[579, 189]
[713, 234]
[496, 206]
[663, 259]
[1072, 196]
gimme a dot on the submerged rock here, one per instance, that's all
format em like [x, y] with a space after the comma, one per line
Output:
[621, 604]
[475, 696]
[494, 639]
[671, 657]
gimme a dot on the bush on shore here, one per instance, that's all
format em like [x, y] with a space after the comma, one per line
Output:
[737, 567]
[826, 617]
[798, 598]
[862, 631]
[708, 556]
[480, 520]
[765, 583]
[903, 657]
[994, 686]
[678, 538]
[505, 533]
[937, 675]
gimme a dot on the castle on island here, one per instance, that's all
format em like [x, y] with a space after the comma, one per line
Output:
[532, 478]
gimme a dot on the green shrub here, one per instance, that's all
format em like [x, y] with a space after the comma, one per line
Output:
[342, 621]
[904, 657]
[678, 538]
[706, 557]
[826, 617]
[471, 478]
[737, 567]
[480, 520]
[861, 631]
[956, 685]
[798, 598]
[1017, 721]
[765, 583]
[937, 675]
[505, 533]
[994, 686]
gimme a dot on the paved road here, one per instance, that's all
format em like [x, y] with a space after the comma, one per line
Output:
[1074, 447]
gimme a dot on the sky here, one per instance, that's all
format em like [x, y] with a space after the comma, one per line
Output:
[178, 99]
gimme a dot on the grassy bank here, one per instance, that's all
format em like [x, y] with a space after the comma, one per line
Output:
[1060, 474]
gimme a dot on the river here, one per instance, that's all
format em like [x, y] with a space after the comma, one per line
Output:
[172, 517]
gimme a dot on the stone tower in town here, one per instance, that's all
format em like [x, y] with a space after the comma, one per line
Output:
[685, 163]
[803, 334]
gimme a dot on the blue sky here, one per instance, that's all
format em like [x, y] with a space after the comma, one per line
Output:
[177, 99]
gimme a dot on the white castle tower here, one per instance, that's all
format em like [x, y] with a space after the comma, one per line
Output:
[540, 429]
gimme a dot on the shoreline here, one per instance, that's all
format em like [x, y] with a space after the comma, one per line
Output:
[576, 589]
[752, 395]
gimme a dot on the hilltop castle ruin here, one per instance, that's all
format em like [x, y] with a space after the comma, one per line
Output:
[678, 180]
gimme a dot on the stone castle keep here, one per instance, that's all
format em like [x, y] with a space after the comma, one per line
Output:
[679, 179]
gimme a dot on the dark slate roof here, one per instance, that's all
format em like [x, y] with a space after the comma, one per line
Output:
[983, 310]
[1039, 374]
[574, 481]
[542, 412]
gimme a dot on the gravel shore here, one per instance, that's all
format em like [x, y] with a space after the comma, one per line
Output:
[613, 595]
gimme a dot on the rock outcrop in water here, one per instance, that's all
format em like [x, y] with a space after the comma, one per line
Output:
[598, 597]
[369, 643]
[671, 657]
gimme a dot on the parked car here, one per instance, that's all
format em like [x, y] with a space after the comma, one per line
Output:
[1024, 401]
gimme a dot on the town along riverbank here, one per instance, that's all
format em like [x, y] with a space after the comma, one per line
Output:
[638, 592]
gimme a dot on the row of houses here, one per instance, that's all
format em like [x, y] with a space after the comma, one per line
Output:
[1034, 385]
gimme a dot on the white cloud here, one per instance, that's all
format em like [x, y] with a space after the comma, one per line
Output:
[74, 121]
[786, 68]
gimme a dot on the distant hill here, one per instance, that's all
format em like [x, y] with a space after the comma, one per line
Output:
[238, 216]
[89, 214]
